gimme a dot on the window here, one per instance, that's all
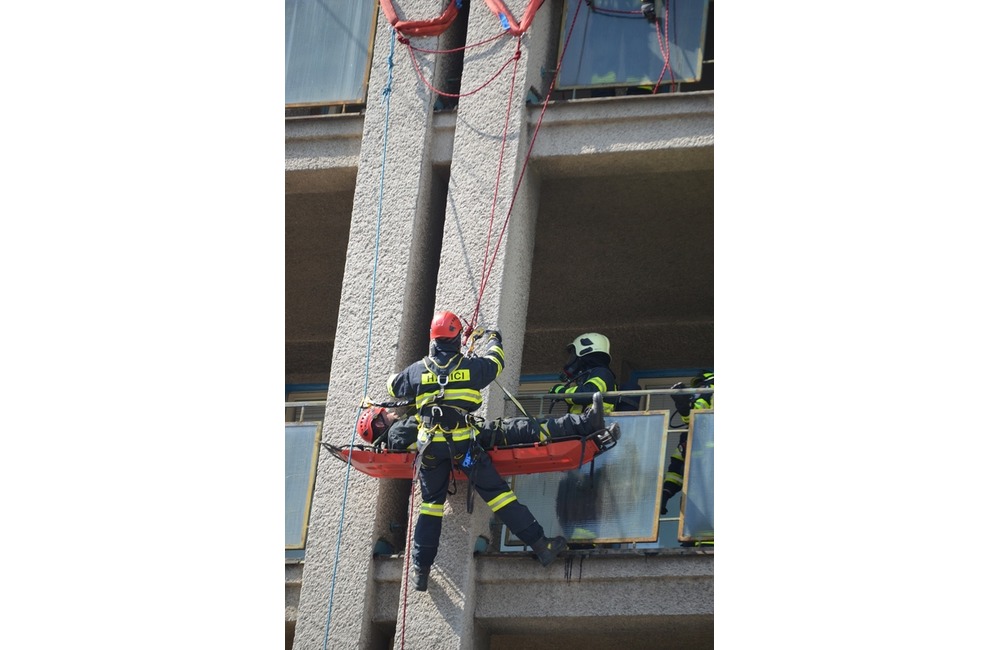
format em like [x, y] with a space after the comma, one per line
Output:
[301, 455]
[613, 45]
[328, 50]
[313, 408]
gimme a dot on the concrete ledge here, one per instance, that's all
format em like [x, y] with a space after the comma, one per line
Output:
[587, 137]
[293, 587]
[332, 141]
[578, 138]
[578, 589]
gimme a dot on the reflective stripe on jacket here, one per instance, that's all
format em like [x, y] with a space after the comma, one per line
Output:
[447, 386]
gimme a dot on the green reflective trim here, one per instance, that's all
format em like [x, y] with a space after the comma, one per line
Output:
[502, 500]
[432, 509]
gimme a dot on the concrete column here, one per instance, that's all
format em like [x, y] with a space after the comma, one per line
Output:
[335, 606]
[443, 617]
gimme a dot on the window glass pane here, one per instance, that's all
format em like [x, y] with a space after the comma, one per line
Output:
[327, 50]
[301, 446]
[614, 45]
[619, 502]
[698, 514]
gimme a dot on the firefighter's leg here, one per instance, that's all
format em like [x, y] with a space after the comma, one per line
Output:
[497, 494]
[435, 470]
[501, 499]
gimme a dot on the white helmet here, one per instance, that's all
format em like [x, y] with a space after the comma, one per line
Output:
[589, 343]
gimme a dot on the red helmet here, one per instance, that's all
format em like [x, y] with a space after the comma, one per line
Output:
[371, 423]
[445, 325]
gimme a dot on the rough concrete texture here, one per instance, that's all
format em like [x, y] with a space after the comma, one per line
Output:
[485, 135]
[611, 231]
[335, 607]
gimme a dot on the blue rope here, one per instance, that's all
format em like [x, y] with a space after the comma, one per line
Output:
[386, 93]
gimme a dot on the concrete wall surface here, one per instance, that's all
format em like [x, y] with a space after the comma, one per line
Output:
[393, 214]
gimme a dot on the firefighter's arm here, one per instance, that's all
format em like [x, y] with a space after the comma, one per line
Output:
[493, 354]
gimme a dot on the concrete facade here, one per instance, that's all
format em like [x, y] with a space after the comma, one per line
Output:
[610, 231]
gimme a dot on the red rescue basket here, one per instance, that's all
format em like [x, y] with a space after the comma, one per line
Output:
[557, 456]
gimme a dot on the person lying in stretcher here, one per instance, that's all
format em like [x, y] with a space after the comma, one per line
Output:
[380, 427]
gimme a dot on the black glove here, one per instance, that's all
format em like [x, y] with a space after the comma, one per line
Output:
[492, 334]
[682, 402]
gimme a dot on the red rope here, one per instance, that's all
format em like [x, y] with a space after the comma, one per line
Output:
[416, 67]
[665, 51]
[432, 27]
[496, 189]
[524, 168]
[406, 569]
[516, 28]
[406, 41]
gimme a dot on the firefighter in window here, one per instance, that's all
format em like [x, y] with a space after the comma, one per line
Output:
[588, 370]
[684, 403]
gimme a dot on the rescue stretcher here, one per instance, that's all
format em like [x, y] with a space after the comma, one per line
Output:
[555, 456]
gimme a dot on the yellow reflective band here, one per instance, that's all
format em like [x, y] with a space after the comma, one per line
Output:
[388, 385]
[455, 436]
[468, 394]
[544, 435]
[672, 477]
[498, 362]
[597, 381]
[425, 399]
[462, 374]
[502, 500]
[432, 509]
[677, 455]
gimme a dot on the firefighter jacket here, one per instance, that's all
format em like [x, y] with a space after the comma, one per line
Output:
[446, 385]
[594, 379]
[673, 480]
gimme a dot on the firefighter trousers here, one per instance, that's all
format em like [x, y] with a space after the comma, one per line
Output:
[435, 473]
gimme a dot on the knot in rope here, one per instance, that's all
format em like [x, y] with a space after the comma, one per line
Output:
[403, 40]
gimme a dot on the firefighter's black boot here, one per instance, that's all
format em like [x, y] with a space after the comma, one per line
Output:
[420, 577]
[547, 548]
